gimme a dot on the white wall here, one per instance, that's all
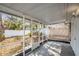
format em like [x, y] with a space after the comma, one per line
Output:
[75, 35]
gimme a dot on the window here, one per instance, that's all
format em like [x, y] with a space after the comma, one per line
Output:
[12, 41]
[40, 32]
[28, 33]
[12, 32]
[44, 29]
[35, 32]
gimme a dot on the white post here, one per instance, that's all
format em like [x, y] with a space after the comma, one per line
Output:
[39, 35]
[31, 31]
[23, 36]
[42, 32]
[46, 33]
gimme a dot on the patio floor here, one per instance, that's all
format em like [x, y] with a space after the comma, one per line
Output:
[53, 48]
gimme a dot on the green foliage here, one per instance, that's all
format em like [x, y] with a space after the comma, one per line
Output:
[17, 38]
[30, 34]
[13, 25]
[2, 36]
[34, 26]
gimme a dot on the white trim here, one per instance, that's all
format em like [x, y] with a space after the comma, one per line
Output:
[23, 36]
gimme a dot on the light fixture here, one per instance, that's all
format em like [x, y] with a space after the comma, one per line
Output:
[73, 13]
[77, 12]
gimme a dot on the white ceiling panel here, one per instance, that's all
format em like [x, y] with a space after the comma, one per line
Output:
[45, 12]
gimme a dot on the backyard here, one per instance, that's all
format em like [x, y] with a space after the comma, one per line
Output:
[12, 33]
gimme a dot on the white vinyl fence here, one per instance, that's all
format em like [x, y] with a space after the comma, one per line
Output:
[9, 33]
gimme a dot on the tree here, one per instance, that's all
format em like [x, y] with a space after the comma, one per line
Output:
[2, 37]
[11, 24]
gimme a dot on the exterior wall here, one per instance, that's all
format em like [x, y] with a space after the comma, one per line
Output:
[75, 35]
[59, 32]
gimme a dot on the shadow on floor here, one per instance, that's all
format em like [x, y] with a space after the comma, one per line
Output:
[53, 48]
[67, 51]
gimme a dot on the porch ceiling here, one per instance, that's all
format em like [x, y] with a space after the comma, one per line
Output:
[47, 13]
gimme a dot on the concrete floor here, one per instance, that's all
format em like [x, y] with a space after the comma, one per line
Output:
[52, 48]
